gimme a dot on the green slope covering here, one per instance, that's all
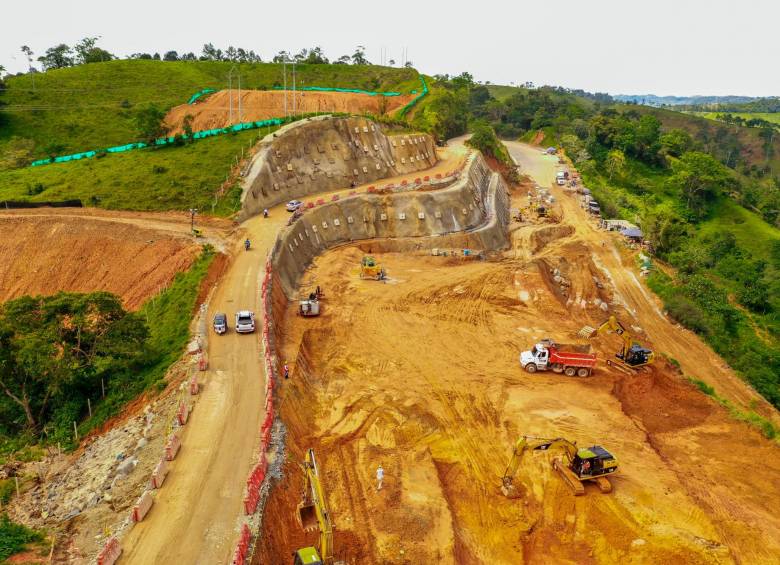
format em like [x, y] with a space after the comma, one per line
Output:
[90, 106]
[148, 179]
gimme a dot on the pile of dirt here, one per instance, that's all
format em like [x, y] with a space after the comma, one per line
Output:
[47, 253]
[214, 111]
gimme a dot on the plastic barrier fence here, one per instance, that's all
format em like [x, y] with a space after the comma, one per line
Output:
[110, 552]
[194, 98]
[160, 142]
[347, 90]
[416, 99]
[141, 508]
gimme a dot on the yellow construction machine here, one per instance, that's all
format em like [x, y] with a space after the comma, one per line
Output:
[313, 515]
[579, 464]
[370, 269]
[633, 354]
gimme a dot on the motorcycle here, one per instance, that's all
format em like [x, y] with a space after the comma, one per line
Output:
[246, 245]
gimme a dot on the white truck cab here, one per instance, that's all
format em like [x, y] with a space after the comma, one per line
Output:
[560, 178]
[539, 355]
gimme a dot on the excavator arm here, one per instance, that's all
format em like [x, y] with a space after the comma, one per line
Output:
[527, 443]
[313, 511]
[633, 354]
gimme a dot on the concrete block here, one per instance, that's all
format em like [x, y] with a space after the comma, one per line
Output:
[372, 127]
[365, 219]
[378, 167]
[376, 147]
[324, 225]
[290, 246]
[289, 166]
[331, 160]
[329, 174]
[365, 129]
[402, 216]
[334, 145]
[350, 220]
[276, 186]
[421, 215]
[357, 129]
[320, 149]
[336, 222]
[314, 229]
[403, 142]
[437, 214]
[403, 159]
[395, 144]
[465, 212]
[300, 236]
[383, 216]
[365, 169]
[355, 172]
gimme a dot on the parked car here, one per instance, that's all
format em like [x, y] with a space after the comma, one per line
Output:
[220, 323]
[245, 322]
[293, 205]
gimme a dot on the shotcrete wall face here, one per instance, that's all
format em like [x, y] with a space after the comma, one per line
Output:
[325, 154]
[473, 212]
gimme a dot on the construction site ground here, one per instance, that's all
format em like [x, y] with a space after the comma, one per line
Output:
[420, 374]
[215, 110]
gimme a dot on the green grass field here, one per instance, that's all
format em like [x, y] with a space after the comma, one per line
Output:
[92, 106]
[170, 178]
[769, 117]
[752, 232]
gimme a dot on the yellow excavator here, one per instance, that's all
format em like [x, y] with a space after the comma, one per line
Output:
[370, 269]
[313, 515]
[579, 464]
[633, 354]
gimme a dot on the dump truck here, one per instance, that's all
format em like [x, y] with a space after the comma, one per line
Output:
[560, 358]
[560, 178]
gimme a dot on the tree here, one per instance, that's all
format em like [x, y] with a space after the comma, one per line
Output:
[408, 65]
[87, 51]
[343, 60]
[149, 123]
[188, 57]
[615, 162]
[675, 142]
[53, 347]
[57, 57]
[186, 125]
[391, 62]
[211, 53]
[700, 179]
[171, 56]
[313, 56]
[359, 56]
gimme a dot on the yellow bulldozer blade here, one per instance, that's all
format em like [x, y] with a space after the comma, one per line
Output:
[307, 516]
[568, 476]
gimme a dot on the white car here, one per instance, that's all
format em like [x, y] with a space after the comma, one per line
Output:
[245, 322]
[293, 205]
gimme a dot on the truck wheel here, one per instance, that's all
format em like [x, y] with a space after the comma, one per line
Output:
[570, 371]
[531, 368]
[583, 372]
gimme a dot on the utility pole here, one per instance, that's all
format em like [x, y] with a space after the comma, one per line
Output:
[284, 66]
[230, 92]
[239, 98]
[294, 105]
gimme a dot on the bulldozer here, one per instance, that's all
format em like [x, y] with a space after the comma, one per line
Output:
[370, 269]
[577, 466]
[313, 515]
[633, 354]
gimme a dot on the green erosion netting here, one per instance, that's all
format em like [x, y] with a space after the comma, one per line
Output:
[416, 99]
[161, 141]
[199, 94]
[333, 89]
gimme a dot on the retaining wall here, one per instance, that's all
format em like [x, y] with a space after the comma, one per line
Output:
[324, 154]
[473, 212]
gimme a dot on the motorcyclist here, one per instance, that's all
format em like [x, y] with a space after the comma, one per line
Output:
[265, 212]
[246, 245]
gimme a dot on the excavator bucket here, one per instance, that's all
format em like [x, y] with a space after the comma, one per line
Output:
[307, 516]
[587, 332]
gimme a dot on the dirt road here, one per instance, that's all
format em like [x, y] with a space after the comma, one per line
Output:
[694, 356]
[195, 515]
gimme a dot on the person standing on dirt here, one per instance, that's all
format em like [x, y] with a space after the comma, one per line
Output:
[286, 370]
[380, 475]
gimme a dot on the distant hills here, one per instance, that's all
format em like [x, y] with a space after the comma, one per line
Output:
[653, 100]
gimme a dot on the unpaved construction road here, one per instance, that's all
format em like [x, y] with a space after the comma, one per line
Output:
[420, 374]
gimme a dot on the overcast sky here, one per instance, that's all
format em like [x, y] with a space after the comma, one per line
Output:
[683, 47]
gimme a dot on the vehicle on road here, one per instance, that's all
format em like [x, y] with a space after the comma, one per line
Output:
[547, 355]
[560, 178]
[579, 465]
[247, 244]
[245, 321]
[220, 323]
[293, 205]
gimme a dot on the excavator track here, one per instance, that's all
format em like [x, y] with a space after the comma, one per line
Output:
[603, 483]
[569, 478]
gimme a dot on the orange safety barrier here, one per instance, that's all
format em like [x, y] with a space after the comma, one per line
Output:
[159, 474]
[203, 363]
[404, 182]
[239, 556]
[310, 204]
[352, 192]
[172, 447]
[141, 508]
[194, 385]
[183, 414]
[417, 180]
[426, 178]
[320, 201]
[110, 552]
[335, 197]
[438, 175]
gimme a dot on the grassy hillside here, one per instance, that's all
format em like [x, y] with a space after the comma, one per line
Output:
[167, 178]
[773, 117]
[92, 106]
